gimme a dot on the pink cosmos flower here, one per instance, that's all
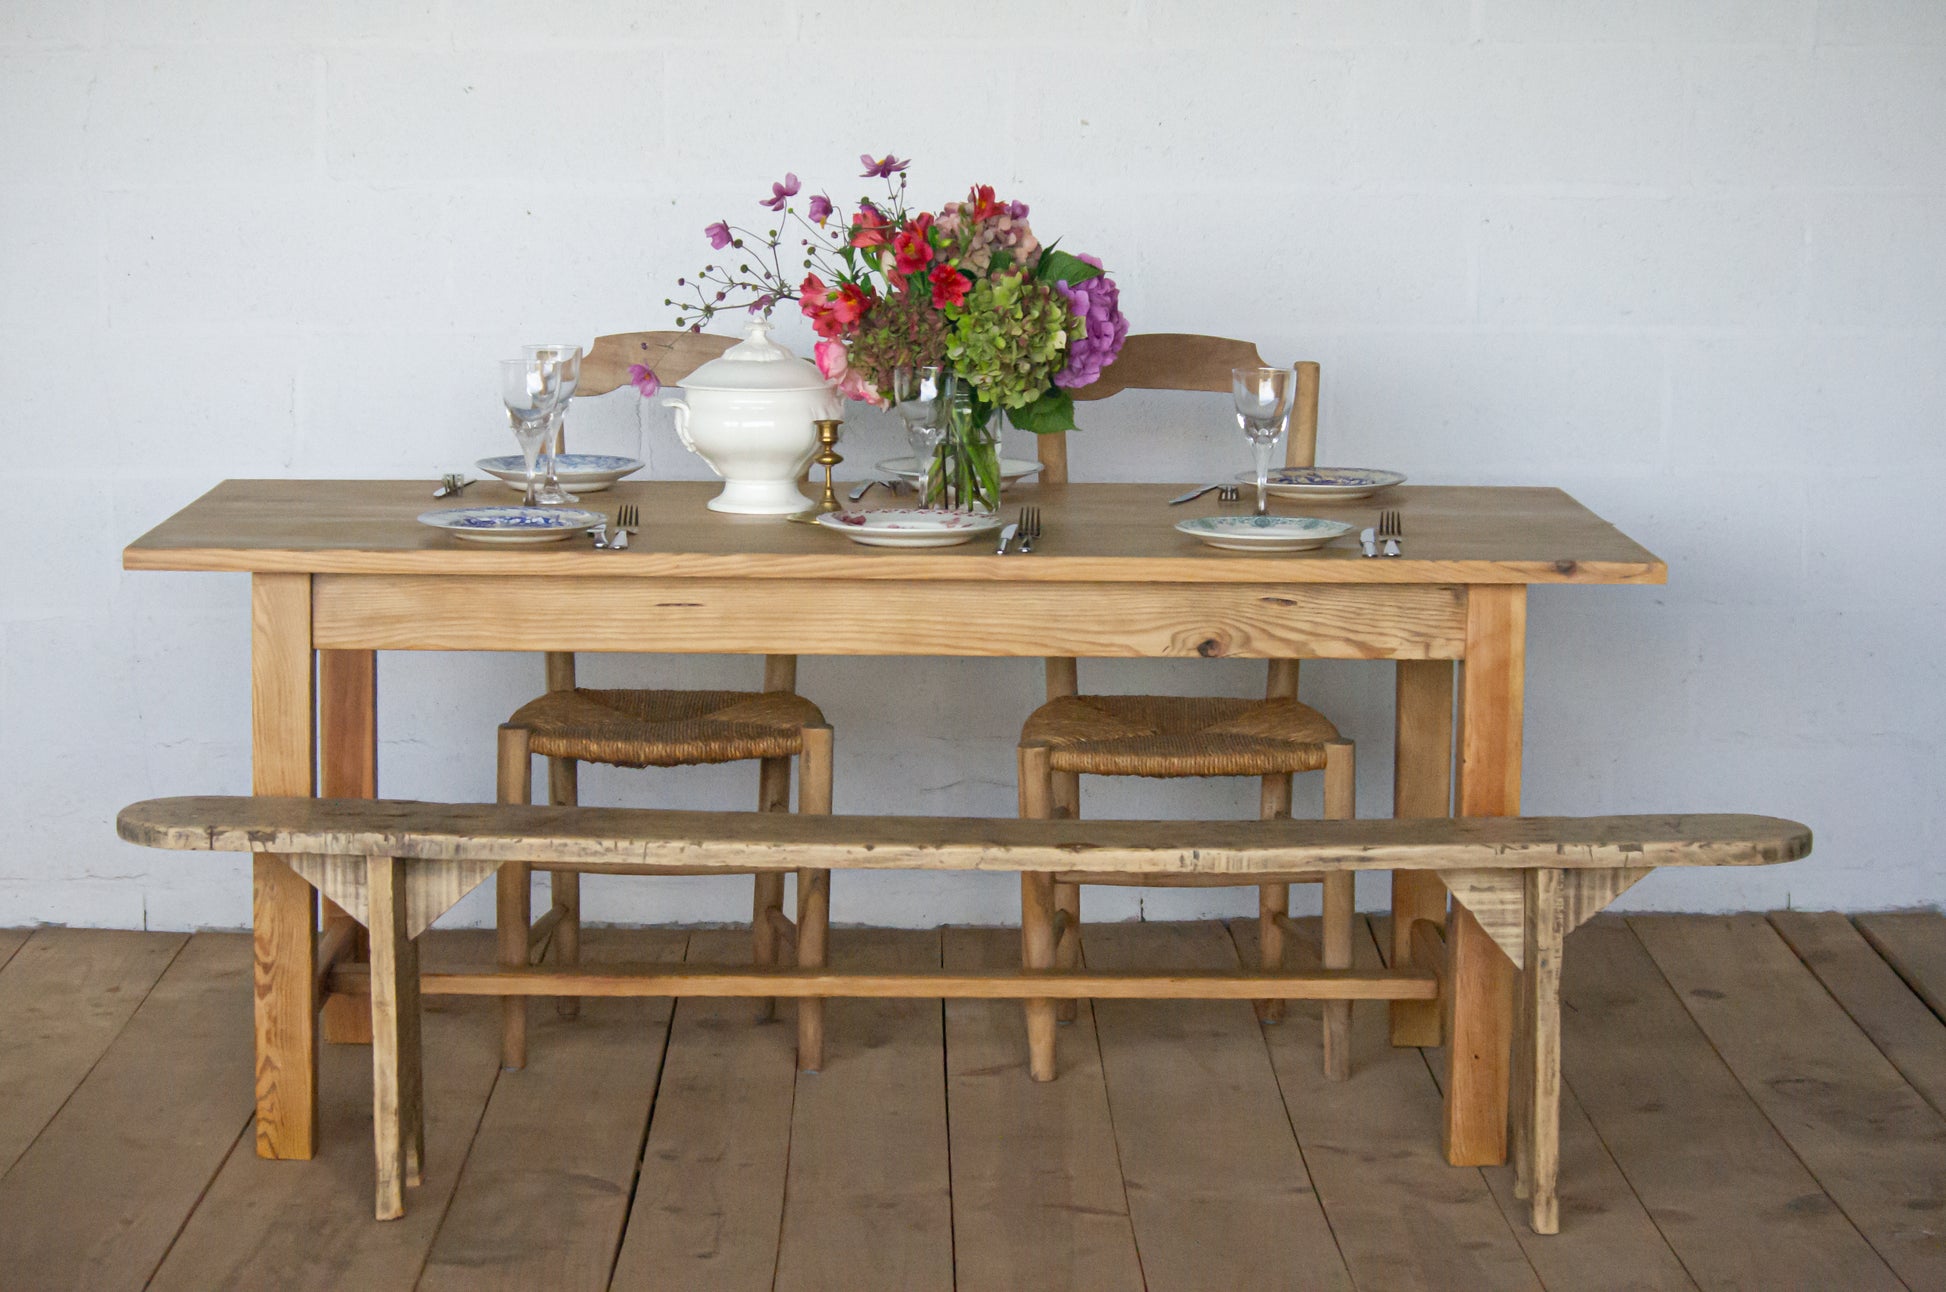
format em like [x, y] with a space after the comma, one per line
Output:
[718, 234]
[781, 193]
[834, 361]
[882, 168]
[643, 379]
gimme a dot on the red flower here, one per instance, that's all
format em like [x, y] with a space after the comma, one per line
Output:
[949, 286]
[849, 304]
[811, 293]
[913, 245]
[869, 228]
[981, 200]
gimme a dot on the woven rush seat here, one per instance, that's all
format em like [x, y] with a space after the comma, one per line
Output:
[666, 728]
[1165, 735]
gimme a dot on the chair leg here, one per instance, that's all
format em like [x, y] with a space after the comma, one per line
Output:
[813, 897]
[767, 890]
[1273, 900]
[1340, 907]
[564, 790]
[398, 1117]
[1037, 906]
[514, 914]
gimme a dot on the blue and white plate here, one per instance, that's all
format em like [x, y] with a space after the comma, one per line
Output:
[513, 524]
[1327, 484]
[1263, 533]
[577, 472]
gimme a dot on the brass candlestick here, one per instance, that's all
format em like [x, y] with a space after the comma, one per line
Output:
[827, 457]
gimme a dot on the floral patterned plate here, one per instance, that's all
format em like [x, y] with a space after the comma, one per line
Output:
[1263, 533]
[912, 526]
[581, 472]
[513, 524]
[1011, 469]
[1327, 484]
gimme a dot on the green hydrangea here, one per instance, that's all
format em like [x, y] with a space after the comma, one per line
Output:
[1009, 338]
[902, 330]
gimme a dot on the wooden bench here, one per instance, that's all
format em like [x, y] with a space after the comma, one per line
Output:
[397, 866]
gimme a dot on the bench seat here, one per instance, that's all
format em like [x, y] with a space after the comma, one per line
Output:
[396, 866]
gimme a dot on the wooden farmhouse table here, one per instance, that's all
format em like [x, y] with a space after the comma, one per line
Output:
[340, 569]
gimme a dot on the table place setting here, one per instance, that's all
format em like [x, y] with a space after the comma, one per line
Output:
[588, 472]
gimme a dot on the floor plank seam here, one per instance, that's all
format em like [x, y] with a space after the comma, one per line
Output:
[1857, 1022]
[1115, 1134]
[243, 1137]
[1777, 1130]
[459, 1173]
[1284, 1103]
[642, 1148]
[1897, 966]
[55, 1114]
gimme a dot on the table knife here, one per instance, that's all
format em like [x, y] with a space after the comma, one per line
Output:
[1006, 537]
[1194, 493]
[1368, 538]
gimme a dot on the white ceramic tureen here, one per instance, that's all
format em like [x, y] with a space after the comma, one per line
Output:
[749, 414]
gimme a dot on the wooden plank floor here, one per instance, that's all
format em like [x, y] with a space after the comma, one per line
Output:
[1751, 1102]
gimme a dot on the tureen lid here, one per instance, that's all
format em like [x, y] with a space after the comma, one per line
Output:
[756, 363]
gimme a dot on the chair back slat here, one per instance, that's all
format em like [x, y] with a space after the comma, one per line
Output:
[672, 356]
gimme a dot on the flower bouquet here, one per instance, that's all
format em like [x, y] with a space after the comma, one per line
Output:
[968, 289]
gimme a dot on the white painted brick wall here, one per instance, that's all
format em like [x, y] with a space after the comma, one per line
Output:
[1686, 258]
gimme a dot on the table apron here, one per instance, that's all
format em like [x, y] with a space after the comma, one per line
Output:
[881, 617]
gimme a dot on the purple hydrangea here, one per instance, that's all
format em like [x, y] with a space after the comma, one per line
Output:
[1097, 302]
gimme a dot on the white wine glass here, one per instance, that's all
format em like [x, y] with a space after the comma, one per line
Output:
[568, 359]
[921, 394]
[531, 391]
[1263, 403]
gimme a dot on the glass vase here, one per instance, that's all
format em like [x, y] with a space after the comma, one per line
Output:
[965, 470]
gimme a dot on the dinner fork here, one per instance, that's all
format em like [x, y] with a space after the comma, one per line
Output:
[628, 519]
[450, 484]
[1391, 531]
[1030, 528]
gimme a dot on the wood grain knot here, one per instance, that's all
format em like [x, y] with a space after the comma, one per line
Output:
[1566, 567]
[1209, 648]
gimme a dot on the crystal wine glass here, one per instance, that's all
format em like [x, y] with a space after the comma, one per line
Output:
[921, 395]
[1263, 402]
[568, 359]
[531, 390]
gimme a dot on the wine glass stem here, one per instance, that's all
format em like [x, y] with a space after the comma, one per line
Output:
[530, 446]
[1262, 448]
[557, 432]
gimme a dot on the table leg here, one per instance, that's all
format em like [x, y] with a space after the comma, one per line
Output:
[347, 769]
[1422, 786]
[1480, 1006]
[283, 906]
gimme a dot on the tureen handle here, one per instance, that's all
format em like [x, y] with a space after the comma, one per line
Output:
[680, 411]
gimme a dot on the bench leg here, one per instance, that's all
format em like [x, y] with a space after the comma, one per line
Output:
[773, 795]
[398, 1105]
[1037, 952]
[813, 896]
[1340, 906]
[1273, 900]
[564, 790]
[514, 904]
[1542, 937]
[1067, 947]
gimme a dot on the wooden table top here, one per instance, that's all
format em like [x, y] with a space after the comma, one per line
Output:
[1091, 533]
